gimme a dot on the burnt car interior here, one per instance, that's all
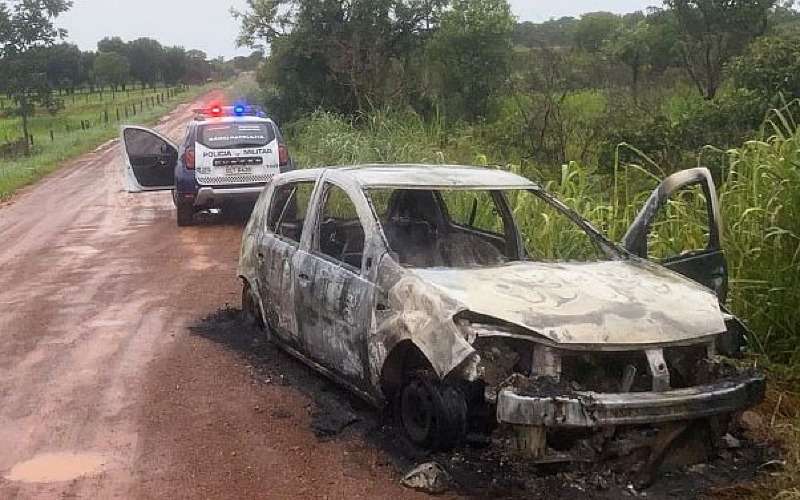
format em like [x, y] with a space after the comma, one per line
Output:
[287, 214]
[341, 235]
[421, 232]
[469, 228]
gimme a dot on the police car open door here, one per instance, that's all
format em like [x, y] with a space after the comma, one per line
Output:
[150, 160]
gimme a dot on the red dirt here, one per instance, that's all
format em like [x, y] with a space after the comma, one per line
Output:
[97, 291]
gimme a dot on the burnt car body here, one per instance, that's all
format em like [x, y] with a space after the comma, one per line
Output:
[418, 286]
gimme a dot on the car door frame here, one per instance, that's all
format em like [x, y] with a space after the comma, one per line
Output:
[374, 249]
[707, 266]
[132, 184]
[282, 317]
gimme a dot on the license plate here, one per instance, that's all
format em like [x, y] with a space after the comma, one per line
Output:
[238, 170]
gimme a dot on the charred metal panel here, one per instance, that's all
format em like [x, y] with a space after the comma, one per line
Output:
[277, 285]
[419, 312]
[333, 313]
[595, 410]
[605, 305]
[433, 177]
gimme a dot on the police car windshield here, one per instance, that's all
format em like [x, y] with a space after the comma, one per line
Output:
[235, 135]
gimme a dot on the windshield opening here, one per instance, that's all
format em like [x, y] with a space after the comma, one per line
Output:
[235, 135]
[479, 228]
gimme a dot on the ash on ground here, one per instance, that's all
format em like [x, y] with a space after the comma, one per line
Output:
[483, 468]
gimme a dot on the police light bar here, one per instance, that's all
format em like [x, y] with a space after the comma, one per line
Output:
[217, 111]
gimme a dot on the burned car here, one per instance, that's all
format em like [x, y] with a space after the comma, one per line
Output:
[468, 297]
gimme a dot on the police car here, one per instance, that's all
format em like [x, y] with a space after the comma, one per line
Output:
[229, 154]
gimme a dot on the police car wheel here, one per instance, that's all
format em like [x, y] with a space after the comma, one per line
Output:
[185, 215]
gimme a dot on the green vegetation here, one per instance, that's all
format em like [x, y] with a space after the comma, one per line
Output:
[758, 189]
[70, 139]
[598, 108]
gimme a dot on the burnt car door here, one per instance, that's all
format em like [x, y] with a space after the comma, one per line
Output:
[279, 242]
[686, 203]
[150, 160]
[332, 295]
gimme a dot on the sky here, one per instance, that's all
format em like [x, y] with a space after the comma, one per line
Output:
[208, 26]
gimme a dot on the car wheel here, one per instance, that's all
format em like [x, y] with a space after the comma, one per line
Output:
[431, 414]
[239, 210]
[250, 311]
[185, 215]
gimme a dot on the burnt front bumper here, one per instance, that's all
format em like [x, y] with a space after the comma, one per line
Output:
[595, 410]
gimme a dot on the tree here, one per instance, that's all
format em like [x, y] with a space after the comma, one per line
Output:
[175, 64]
[87, 64]
[771, 65]
[555, 33]
[111, 68]
[344, 55]
[64, 67]
[112, 44]
[473, 49]
[145, 56]
[663, 40]
[713, 31]
[26, 29]
[199, 69]
[594, 29]
[631, 46]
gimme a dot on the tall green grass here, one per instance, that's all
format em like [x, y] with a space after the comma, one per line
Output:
[759, 189]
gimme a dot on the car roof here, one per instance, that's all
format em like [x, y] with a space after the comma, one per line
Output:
[419, 176]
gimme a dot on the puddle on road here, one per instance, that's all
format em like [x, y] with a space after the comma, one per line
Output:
[54, 467]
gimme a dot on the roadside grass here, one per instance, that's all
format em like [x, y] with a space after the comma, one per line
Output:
[758, 184]
[759, 189]
[48, 155]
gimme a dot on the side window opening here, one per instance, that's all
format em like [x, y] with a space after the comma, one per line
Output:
[682, 226]
[289, 209]
[341, 235]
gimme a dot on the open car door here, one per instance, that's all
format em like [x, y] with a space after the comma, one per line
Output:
[666, 213]
[150, 160]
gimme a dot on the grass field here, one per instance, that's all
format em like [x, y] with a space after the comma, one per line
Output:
[70, 139]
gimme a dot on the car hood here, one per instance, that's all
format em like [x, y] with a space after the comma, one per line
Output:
[614, 303]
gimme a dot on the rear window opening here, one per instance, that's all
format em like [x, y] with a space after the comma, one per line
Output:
[235, 135]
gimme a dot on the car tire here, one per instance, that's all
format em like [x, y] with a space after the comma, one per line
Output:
[250, 310]
[185, 214]
[432, 415]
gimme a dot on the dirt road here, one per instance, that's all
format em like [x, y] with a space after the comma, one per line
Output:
[104, 390]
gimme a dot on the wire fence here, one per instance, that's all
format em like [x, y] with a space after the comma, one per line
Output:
[120, 106]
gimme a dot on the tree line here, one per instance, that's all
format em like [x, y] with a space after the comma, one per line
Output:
[38, 64]
[668, 79]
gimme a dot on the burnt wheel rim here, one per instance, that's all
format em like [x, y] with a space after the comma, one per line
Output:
[248, 306]
[417, 412]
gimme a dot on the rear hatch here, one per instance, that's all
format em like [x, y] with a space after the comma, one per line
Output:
[236, 152]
